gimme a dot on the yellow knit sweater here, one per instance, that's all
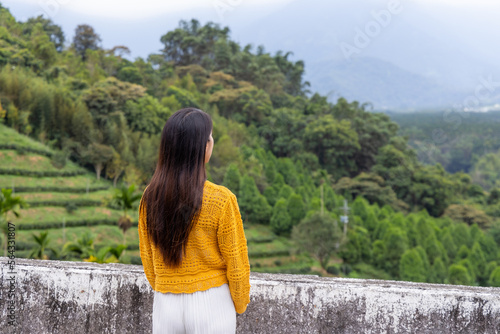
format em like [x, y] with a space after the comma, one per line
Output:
[216, 251]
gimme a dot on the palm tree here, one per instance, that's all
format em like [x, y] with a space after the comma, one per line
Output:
[8, 203]
[102, 255]
[125, 199]
[118, 251]
[42, 243]
[83, 247]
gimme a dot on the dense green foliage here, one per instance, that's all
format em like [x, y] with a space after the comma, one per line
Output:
[286, 153]
[459, 141]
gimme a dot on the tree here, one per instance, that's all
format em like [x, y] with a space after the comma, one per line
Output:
[379, 251]
[486, 170]
[254, 206]
[470, 270]
[98, 155]
[101, 256]
[43, 47]
[396, 242]
[375, 130]
[42, 243]
[438, 272]
[461, 235]
[145, 114]
[293, 73]
[494, 196]
[411, 267]
[115, 167]
[125, 199]
[488, 246]
[468, 214]
[130, 74]
[434, 248]
[459, 274]
[357, 247]
[85, 39]
[281, 223]
[432, 189]
[296, 208]
[372, 187]
[396, 164]
[478, 261]
[255, 105]
[280, 131]
[54, 31]
[285, 192]
[222, 54]
[232, 179]
[83, 247]
[225, 154]
[8, 203]
[495, 278]
[319, 235]
[449, 244]
[192, 43]
[335, 144]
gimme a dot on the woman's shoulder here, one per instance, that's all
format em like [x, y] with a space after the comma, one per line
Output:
[219, 191]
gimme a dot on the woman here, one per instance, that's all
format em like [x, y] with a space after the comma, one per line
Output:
[191, 236]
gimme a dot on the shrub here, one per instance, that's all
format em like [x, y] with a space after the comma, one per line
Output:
[59, 159]
[332, 270]
[346, 268]
[71, 207]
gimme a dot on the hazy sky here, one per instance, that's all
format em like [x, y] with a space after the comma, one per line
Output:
[139, 24]
[133, 9]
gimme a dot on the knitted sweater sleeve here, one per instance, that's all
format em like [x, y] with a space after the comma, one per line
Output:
[233, 247]
[145, 246]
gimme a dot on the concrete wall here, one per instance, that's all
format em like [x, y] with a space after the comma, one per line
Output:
[75, 297]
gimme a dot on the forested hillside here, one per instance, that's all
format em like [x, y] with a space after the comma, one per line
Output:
[286, 153]
[459, 141]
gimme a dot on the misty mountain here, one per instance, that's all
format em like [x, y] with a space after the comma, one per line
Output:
[381, 83]
[412, 61]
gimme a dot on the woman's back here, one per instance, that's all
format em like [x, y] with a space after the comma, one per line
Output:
[216, 251]
[191, 237]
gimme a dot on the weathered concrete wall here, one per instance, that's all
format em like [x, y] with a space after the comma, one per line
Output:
[74, 297]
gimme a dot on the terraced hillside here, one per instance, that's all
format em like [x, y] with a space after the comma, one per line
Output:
[27, 167]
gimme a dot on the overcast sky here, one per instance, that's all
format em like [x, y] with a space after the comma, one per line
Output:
[140, 24]
[133, 9]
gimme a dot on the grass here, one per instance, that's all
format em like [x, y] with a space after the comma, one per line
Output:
[102, 195]
[104, 234]
[301, 264]
[258, 232]
[79, 181]
[11, 136]
[367, 271]
[277, 247]
[12, 159]
[54, 214]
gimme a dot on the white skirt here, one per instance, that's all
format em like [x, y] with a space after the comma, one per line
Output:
[202, 312]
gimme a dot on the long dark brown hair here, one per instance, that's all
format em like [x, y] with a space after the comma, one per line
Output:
[175, 193]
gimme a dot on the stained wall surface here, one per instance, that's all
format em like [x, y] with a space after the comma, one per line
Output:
[77, 297]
